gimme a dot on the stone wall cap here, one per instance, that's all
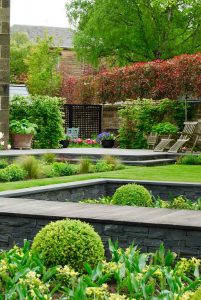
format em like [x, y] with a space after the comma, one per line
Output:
[95, 213]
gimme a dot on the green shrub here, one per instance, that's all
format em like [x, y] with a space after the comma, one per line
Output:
[138, 117]
[31, 165]
[133, 195]
[85, 166]
[181, 203]
[69, 242]
[46, 113]
[49, 158]
[165, 128]
[189, 159]
[197, 295]
[103, 166]
[3, 163]
[12, 173]
[63, 169]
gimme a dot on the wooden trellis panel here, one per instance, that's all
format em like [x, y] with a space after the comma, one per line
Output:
[87, 117]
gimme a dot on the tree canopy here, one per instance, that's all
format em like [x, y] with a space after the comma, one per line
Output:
[42, 63]
[19, 49]
[126, 31]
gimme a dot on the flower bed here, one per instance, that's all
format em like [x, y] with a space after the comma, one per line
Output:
[29, 167]
[137, 195]
[129, 274]
[84, 143]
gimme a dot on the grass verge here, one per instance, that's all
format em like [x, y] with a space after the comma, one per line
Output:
[179, 173]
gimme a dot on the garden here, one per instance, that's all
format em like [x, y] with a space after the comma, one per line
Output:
[137, 235]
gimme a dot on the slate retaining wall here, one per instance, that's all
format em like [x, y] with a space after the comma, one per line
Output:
[94, 189]
[185, 242]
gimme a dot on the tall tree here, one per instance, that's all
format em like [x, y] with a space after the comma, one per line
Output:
[42, 62]
[19, 49]
[126, 31]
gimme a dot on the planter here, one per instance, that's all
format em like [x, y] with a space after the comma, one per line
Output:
[65, 143]
[21, 141]
[107, 143]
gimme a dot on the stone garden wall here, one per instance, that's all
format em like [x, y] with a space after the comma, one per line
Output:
[184, 241]
[4, 65]
[94, 189]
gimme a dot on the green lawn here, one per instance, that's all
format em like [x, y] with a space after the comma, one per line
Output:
[181, 173]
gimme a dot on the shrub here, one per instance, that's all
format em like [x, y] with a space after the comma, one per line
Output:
[103, 166]
[189, 159]
[85, 166]
[46, 113]
[181, 203]
[165, 128]
[155, 80]
[138, 117]
[12, 173]
[69, 242]
[133, 195]
[63, 169]
[49, 158]
[197, 295]
[3, 163]
[31, 165]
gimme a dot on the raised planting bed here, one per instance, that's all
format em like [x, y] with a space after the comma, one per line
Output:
[96, 188]
[179, 230]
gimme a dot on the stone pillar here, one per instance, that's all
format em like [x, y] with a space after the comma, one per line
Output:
[4, 66]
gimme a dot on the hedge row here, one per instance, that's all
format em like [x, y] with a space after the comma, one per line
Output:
[159, 79]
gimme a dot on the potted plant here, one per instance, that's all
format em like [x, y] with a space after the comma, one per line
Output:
[165, 129]
[22, 133]
[66, 141]
[106, 139]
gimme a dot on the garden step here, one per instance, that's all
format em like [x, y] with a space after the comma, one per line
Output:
[154, 162]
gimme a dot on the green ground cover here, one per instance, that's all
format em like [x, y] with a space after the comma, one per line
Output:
[179, 173]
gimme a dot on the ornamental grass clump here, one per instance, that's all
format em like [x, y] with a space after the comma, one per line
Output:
[69, 242]
[133, 195]
[31, 165]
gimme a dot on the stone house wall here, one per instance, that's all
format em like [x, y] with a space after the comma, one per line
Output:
[4, 65]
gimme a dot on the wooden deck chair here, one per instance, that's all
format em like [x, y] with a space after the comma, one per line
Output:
[186, 135]
[152, 140]
[164, 144]
[197, 139]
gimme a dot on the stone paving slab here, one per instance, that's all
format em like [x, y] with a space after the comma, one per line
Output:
[85, 151]
[106, 214]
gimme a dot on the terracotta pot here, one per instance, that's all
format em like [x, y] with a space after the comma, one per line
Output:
[107, 143]
[65, 143]
[21, 141]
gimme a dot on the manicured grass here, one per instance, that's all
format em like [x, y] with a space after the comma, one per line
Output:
[180, 173]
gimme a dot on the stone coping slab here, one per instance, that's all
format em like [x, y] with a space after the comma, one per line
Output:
[86, 151]
[183, 219]
[85, 183]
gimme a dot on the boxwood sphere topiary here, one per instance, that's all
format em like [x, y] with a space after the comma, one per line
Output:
[69, 242]
[133, 195]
